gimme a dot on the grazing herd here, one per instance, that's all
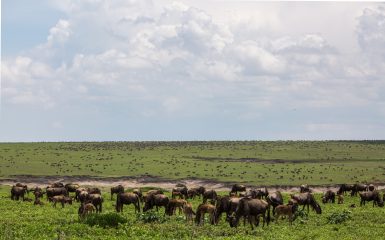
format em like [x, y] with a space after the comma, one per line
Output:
[241, 202]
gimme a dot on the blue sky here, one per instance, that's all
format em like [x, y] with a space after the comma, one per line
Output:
[98, 70]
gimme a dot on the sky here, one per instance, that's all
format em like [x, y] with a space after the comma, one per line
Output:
[138, 70]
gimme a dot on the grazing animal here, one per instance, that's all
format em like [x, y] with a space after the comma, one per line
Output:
[174, 204]
[56, 185]
[371, 196]
[209, 194]
[152, 192]
[358, 187]
[23, 186]
[138, 192]
[304, 188]
[78, 191]
[307, 199]
[85, 209]
[51, 192]
[329, 196]
[175, 193]
[371, 187]
[275, 199]
[116, 190]
[238, 188]
[251, 209]
[97, 200]
[180, 190]
[71, 187]
[286, 210]
[345, 188]
[61, 199]
[188, 212]
[127, 198]
[340, 199]
[157, 200]
[225, 204]
[192, 193]
[38, 202]
[202, 209]
[82, 197]
[17, 192]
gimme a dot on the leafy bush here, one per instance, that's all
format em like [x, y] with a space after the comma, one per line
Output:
[301, 213]
[105, 220]
[151, 216]
[339, 217]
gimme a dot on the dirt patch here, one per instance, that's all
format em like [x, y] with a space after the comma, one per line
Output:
[150, 181]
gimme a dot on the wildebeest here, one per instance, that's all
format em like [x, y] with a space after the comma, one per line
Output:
[371, 187]
[127, 198]
[56, 185]
[174, 204]
[189, 212]
[85, 209]
[17, 192]
[304, 188]
[358, 187]
[116, 190]
[97, 200]
[202, 209]
[196, 191]
[82, 196]
[209, 194]
[71, 187]
[345, 188]
[340, 198]
[23, 186]
[275, 199]
[371, 196]
[181, 189]
[251, 209]
[78, 191]
[61, 199]
[157, 200]
[56, 191]
[238, 188]
[94, 190]
[225, 204]
[329, 196]
[286, 210]
[307, 199]
[138, 192]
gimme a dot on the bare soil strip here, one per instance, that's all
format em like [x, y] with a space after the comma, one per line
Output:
[149, 181]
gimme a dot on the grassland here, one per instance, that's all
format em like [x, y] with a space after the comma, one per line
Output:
[250, 162]
[23, 220]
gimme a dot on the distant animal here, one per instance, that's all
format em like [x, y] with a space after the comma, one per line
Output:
[85, 209]
[209, 194]
[238, 188]
[371, 187]
[345, 188]
[71, 187]
[97, 200]
[138, 192]
[56, 185]
[82, 196]
[127, 198]
[94, 190]
[275, 199]
[358, 187]
[61, 199]
[175, 193]
[152, 192]
[38, 202]
[251, 209]
[174, 204]
[202, 209]
[55, 191]
[23, 186]
[304, 188]
[78, 191]
[286, 210]
[181, 190]
[155, 200]
[196, 191]
[340, 198]
[116, 190]
[371, 196]
[307, 199]
[189, 212]
[225, 204]
[17, 192]
[329, 196]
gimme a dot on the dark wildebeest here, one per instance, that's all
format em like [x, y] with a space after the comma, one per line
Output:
[127, 198]
[225, 204]
[307, 199]
[345, 188]
[116, 190]
[358, 187]
[202, 209]
[97, 200]
[78, 191]
[71, 187]
[197, 191]
[138, 192]
[238, 188]
[189, 212]
[210, 194]
[371, 187]
[157, 200]
[82, 196]
[304, 188]
[182, 189]
[329, 196]
[17, 192]
[94, 190]
[251, 209]
[152, 192]
[371, 196]
[51, 192]
[275, 199]
[23, 186]
[56, 185]
[174, 204]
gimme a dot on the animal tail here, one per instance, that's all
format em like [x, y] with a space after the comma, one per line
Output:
[198, 215]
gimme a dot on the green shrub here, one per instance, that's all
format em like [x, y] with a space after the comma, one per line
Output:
[339, 217]
[151, 216]
[105, 220]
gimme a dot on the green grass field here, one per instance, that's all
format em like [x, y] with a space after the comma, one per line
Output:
[250, 162]
[23, 220]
